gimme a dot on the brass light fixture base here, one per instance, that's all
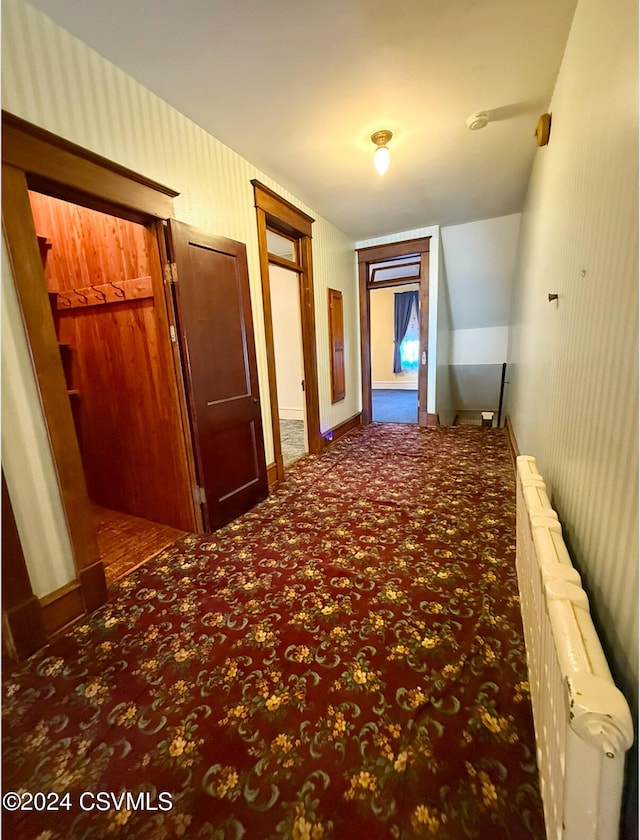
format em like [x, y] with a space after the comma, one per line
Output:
[381, 138]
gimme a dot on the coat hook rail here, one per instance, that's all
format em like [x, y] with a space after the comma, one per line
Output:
[119, 291]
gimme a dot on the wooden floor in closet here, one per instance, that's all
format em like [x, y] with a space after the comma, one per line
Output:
[126, 542]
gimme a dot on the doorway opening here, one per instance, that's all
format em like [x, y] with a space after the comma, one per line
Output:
[400, 267]
[284, 239]
[289, 362]
[104, 283]
[395, 323]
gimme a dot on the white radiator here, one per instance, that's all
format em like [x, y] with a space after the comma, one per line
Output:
[582, 721]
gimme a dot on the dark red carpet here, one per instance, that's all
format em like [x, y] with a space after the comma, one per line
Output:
[345, 661]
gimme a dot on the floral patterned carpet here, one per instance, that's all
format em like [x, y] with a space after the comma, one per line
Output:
[344, 661]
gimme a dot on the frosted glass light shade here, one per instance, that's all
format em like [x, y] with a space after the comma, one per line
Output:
[381, 159]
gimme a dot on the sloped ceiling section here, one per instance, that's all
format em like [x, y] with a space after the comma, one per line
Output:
[480, 264]
[298, 89]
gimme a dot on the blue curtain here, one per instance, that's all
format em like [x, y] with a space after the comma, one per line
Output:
[402, 307]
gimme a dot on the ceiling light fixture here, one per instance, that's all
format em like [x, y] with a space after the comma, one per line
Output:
[381, 155]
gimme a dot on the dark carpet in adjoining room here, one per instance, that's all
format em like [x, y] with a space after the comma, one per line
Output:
[344, 661]
[394, 406]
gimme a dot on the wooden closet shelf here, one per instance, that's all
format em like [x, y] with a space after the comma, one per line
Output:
[117, 292]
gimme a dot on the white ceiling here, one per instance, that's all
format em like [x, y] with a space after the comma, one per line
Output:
[297, 88]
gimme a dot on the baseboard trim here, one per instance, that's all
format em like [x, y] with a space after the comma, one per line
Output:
[290, 413]
[93, 585]
[342, 428]
[427, 418]
[406, 385]
[62, 607]
[272, 474]
[23, 630]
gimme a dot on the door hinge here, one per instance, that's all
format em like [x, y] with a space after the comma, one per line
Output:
[302, 385]
[172, 334]
[170, 273]
[199, 495]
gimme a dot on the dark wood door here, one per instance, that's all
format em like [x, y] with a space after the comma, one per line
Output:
[213, 307]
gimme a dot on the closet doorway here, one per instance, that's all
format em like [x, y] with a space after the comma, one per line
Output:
[193, 294]
[104, 281]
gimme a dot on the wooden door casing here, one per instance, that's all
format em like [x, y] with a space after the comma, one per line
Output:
[424, 418]
[33, 158]
[276, 214]
[368, 257]
[119, 364]
[23, 629]
[213, 307]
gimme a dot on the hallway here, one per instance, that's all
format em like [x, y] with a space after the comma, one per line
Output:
[327, 665]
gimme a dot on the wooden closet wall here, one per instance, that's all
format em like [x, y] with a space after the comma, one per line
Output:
[106, 291]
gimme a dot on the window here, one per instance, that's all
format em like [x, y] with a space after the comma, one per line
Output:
[282, 246]
[406, 328]
[410, 345]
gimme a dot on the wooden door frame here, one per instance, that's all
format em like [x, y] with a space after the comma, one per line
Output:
[382, 253]
[277, 214]
[23, 624]
[33, 158]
